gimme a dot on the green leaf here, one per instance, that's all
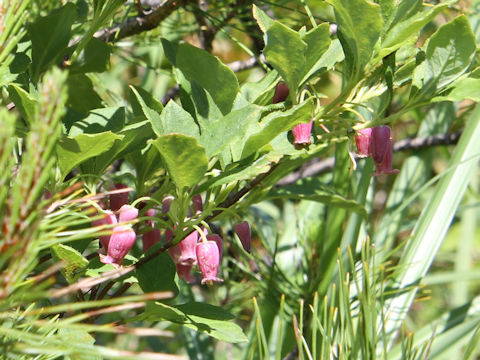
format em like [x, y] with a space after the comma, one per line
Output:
[465, 88]
[78, 336]
[99, 120]
[210, 73]
[146, 164]
[318, 42]
[263, 20]
[94, 58]
[134, 137]
[157, 274]
[183, 157]
[6, 77]
[276, 123]
[285, 51]
[20, 63]
[24, 102]
[75, 264]
[143, 102]
[219, 134]
[50, 36]
[359, 26]
[73, 151]
[313, 189]
[174, 119]
[333, 55]
[202, 317]
[431, 227]
[260, 92]
[449, 54]
[245, 172]
[408, 30]
[81, 96]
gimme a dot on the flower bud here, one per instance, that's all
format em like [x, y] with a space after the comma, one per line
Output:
[127, 213]
[121, 241]
[362, 140]
[301, 133]
[108, 218]
[120, 199]
[184, 252]
[153, 236]
[208, 258]
[166, 202]
[281, 92]
[382, 150]
[244, 234]
[197, 203]
[184, 271]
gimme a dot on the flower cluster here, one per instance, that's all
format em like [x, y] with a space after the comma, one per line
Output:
[377, 143]
[199, 248]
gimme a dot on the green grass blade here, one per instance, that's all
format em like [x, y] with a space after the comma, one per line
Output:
[432, 226]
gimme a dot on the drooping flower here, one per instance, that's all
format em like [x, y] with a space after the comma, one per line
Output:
[244, 234]
[185, 272]
[281, 92]
[108, 218]
[184, 252]
[120, 199]
[197, 203]
[150, 238]
[382, 150]
[208, 258]
[363, 138]
[153, 236]
[218, 240]
[166, 202]
[121, 241]
[127, 213]
[301, 133]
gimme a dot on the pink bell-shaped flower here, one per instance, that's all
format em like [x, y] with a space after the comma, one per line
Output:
[208, 258]
[108, 218]
[150, 238]
[153, 236]
[121, 241]
[218, 240]
[127, 213]
[382, 150]
[301, 133]
[363, 138]
[281, 92]
[120, 199]
[184, 252]
[244, 234]
[185, 272]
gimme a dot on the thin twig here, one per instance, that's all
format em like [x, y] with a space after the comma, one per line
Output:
[138, 24]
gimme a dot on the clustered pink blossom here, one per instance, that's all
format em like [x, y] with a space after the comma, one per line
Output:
[120, 241]
[202, 250]
[377, 143]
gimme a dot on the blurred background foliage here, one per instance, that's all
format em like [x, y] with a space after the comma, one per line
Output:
[278, 293]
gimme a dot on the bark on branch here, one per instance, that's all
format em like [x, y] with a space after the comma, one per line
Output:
[138, 24]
